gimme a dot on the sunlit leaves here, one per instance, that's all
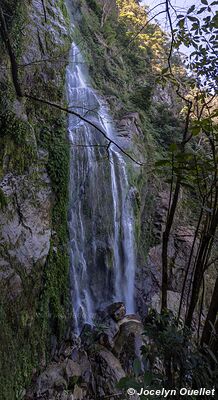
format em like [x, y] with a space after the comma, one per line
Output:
[148, 38]
[196, 129]
[202, 9]
[173, 147]
[164, 70]
[200, 33]
[191, 9]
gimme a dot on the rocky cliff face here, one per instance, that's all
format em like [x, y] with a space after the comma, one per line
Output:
[33, 190]
[26, 226]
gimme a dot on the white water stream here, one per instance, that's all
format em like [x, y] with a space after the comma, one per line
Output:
[101, 220]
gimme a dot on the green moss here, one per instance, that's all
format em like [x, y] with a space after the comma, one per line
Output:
[18, 26]
[41, 310]
[18, 147]
[167, 126]
[22, 344]
[3, 200]
[63, 8]
[57, 269]
[95, 7]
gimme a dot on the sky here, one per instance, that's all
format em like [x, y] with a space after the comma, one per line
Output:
[178, 3]
[180, 6]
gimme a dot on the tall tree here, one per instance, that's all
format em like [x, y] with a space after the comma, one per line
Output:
[211, 316]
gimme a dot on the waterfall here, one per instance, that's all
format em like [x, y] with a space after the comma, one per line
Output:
[101, 219]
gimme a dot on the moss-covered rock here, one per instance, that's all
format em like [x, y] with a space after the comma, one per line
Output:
[34, 163]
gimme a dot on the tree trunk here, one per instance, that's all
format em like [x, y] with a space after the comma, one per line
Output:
[14, 66]
[166, 237]
[201, 267]
[214, 345]
[211, 316]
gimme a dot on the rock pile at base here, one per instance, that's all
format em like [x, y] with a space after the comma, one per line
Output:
[90, 366]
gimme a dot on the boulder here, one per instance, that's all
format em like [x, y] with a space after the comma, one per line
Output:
[80, 356]
[129, 125]
[111, 328]
[71, 369]
[51, 378]
[117, 311]
[128, 341]
[78, 393]
[107, 371]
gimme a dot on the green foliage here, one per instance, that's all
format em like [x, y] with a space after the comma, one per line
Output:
[167, 125]
[58, 163]
[142, 97]
[9, 7]
[110, 33]
[14, 24]
[169, 358]
[115, 69]
[64, 10]
[22, 341]
[57, 270]
[121, 69]
[183, 363]
[100, 327]
[17, 28]
[18, 148]
[195, 163]
[148, 40]
[94, 7]
[197, 29]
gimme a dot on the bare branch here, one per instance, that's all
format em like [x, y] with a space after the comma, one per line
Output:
[82, 118]
[172, 34]
[44, 10]
[13, 61]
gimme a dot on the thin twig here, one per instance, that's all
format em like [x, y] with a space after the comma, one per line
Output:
[44, 10]
[172, 35]
[82, 118]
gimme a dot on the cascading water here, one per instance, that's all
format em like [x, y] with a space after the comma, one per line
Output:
[101, 221]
